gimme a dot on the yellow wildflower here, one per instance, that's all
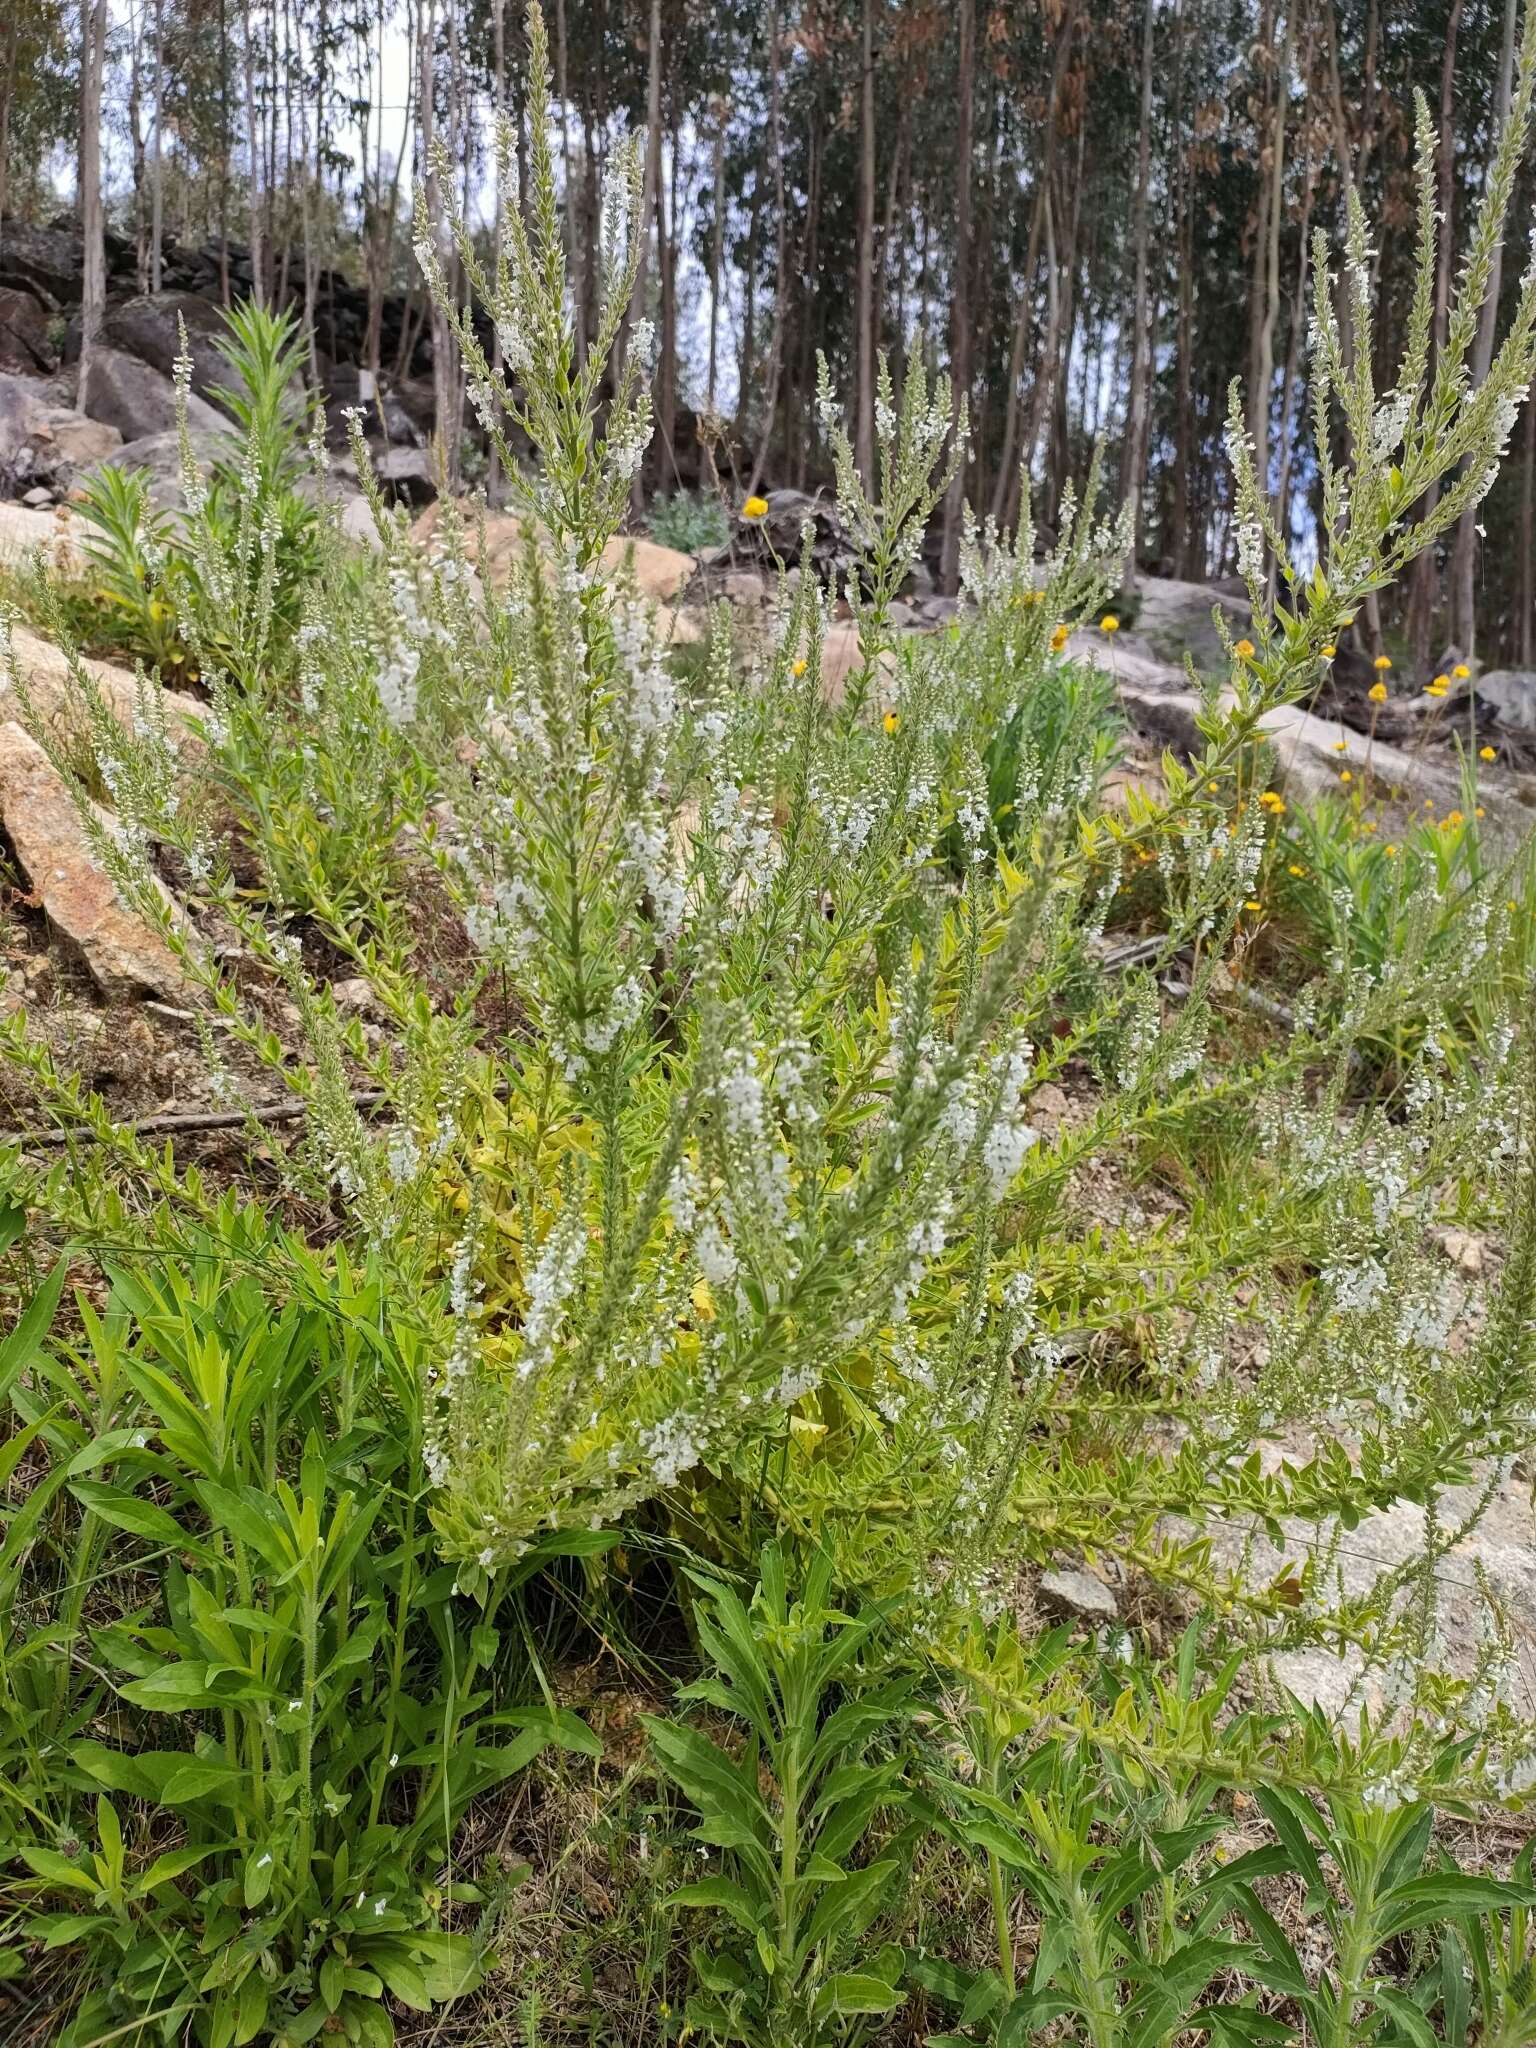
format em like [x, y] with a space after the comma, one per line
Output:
[1345, 776]
[1377, 693]
[1109, 623]
[1058, 639]
[1244, 650]
[800, 667]
[890, 721]
[755, 508]
[1382, 663]
[1296, 869]
[1487, 753]
[1461, 671]
[1329, 651]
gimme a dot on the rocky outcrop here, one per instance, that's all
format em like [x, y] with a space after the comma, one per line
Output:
[44, 442]
[50, 687]
[160, 455]
[148, 326]
[24, 331]
[658, 572]
[124, 956]
[131, 395]
[25, 532]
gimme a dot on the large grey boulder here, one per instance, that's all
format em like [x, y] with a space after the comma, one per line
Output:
[1174, 619]
[40, 259]
[132, 395]
[148, 326]
[24, 338]
[43, 442]
[1511, 695]
[160, 454]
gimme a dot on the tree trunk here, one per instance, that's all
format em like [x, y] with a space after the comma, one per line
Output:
[961, 338]
[157, 161]
[1464, 564]
[93, 274]
[444, 353]
[575, 254]
[253, 146]
[864, 300]
[1181, 513]
[1136, 434]
[781, 281]
[1527, 533]
[716, 251]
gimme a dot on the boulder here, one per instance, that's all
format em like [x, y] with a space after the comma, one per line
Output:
[50, 687]
[406, 473]
[160, 454]
[1309, 751]
[1078, 1594]
[42, 441]
[52, 535]
[124, 956]
[42, 260]
[24, 342]
[129, 394]
[1174, 618]
[658, 572]
[1510, 694]
[146, 326]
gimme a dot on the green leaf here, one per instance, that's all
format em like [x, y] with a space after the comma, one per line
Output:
[1446, 1895]
[34, 1323]
[173, 1689]
[124, 1510]
[723, 1895]
[852, 1991]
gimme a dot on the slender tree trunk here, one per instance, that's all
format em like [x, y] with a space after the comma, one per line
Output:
[716, 250]
[1136, 434]
[1180, 516]
[781, 281]
[93, 277]
[253, 146]
[1291, 376]
[1464, 564]
[444, 365]
[576, 255]
[864, 303]
[1005, 487]
[7, 95]
[157, 161]
[960, 331]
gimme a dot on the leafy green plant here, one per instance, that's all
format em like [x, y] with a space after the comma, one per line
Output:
[1419, 902]
[1113, 1869]
[791, 1808]
[690, 521]
[248, 544]
[131, 548]
[1380, 1892]
[302, 1707]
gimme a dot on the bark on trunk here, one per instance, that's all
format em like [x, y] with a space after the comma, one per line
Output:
[93, 275]
[960, 344]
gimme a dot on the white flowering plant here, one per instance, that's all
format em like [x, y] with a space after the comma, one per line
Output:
[753, 1113]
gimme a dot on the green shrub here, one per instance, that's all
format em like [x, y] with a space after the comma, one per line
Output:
[690, 521]
[699, 1195]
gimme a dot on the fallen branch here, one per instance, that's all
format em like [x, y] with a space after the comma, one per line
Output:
[197, 1120]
